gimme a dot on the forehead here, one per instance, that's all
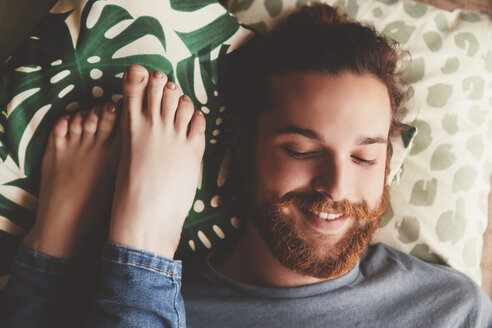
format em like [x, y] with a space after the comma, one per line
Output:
[347, 105]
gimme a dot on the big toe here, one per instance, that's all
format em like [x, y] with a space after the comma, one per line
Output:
[134, 85]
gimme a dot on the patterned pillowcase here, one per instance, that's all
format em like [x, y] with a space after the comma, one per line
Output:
[75, 58]
[439, 205]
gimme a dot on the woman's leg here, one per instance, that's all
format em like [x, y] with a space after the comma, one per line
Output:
[163, 140]
[50, 285]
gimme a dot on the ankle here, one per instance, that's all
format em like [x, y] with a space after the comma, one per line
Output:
[159, 244]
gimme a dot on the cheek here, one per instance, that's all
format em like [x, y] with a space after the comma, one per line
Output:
[371, 184]
[282, 174]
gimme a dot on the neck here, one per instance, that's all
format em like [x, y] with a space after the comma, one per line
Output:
[251, 262]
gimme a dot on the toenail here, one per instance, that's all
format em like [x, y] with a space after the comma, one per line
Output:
[185, 98]
[171, 85]
[158, 74]
[110, 107]
[134, 76]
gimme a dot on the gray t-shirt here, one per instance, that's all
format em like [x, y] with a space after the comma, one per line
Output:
[387, 288]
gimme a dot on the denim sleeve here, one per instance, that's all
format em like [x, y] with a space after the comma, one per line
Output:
[45, 291]
[137, 289]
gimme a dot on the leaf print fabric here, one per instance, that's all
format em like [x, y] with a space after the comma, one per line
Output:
[75, 59]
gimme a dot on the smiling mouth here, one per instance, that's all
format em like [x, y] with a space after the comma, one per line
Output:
[325, 221]
[326, 216]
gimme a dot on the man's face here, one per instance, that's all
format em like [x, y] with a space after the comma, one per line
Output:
[321, 156]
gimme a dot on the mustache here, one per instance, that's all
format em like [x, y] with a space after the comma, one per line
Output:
[318, 202]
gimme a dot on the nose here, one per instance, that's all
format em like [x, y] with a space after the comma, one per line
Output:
[333, 179]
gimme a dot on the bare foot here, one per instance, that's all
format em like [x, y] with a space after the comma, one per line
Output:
[162, 148]
[77, 181]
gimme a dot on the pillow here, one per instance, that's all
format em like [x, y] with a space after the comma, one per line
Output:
[75, 58]
[439, 205]
[62, 68]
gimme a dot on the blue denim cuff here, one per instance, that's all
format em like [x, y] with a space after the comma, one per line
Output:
[142, 259]
[46, 291]
[27, 258]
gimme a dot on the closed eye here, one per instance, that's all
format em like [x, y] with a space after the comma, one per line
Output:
[300, 155]
[362, 161]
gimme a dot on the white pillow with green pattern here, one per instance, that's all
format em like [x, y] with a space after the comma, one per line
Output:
[75, 59]
[439, 205]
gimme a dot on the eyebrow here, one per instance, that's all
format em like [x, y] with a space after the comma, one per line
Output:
[372, 140]
[308, 133]
[293, 129]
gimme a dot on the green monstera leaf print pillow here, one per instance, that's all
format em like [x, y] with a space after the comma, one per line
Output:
[439, 203]
[75, 59]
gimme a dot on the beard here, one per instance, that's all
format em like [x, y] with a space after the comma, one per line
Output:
[317, 255]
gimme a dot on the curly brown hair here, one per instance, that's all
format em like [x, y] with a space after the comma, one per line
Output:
[318, 39]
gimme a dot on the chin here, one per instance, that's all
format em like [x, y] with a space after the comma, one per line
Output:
[311, 234]
[312, 243]
[313, 251]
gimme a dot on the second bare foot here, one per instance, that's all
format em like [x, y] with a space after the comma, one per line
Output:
[163, 142]
[77, 181]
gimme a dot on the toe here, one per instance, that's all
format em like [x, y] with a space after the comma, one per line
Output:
[90, 123]
[154, 93]
[197, 128]
[134, 84]
[60, 130]
[170, 100]
[75, 126]
[107, 121]
[184, 113]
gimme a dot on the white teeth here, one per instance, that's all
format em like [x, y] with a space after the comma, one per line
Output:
[327, 216]
[333, 216]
